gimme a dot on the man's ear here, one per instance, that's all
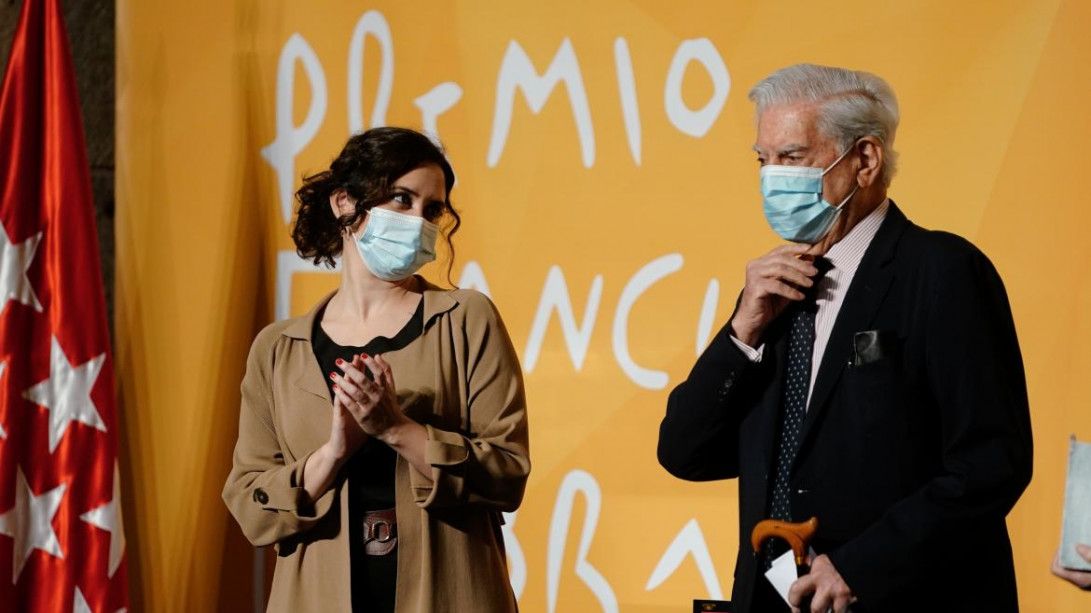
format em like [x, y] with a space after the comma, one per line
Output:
[871, 156]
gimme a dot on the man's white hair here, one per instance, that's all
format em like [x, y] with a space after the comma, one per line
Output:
[851, 104]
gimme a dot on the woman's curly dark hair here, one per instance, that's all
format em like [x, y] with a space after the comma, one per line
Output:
[366, 169]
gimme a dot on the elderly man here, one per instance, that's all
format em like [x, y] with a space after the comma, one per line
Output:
[870, 376]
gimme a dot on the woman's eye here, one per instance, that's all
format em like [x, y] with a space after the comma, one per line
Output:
[403, 198]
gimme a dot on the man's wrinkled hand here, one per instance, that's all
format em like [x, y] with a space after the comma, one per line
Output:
[824, 584]
[773, 281]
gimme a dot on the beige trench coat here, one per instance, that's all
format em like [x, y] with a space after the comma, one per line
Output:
[461, 379]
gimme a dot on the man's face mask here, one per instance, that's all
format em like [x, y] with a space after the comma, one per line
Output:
[793, 202]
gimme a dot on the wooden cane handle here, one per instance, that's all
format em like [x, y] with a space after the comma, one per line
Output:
[798, 536]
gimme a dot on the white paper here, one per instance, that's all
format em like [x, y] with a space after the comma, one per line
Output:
[782, 574]
[1076, 527]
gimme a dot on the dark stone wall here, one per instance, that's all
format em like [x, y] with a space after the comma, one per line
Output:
[90, 26]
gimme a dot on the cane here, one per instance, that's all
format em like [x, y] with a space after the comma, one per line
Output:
[798, 536]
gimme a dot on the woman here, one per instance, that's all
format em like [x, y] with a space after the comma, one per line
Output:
[382, 496]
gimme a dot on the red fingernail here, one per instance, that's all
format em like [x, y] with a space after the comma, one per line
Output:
[340, 361]
[333, 376]
[363, 355]
[335, 386]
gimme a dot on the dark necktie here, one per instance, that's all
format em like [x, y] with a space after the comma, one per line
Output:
[797, 382]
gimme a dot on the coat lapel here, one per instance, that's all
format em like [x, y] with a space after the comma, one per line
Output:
[310, 378]
[437, 301]
[865, 295]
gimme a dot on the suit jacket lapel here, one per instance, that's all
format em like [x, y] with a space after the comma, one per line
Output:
[865, 295]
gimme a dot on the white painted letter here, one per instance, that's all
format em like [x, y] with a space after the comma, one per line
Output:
[576, 481]
[517, 71]
[576, 337]
[372, 23]
[641, 281]
[708, 315]
[690, 540]
[474, 278]
[696, 123]
[435, 103]
[517, 562]
[626, 85]
[289, 263]
[290, 139]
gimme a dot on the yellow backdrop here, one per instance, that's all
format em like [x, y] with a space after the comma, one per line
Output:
[610, 203]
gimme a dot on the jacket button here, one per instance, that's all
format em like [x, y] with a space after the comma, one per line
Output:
[260, 496]
[726, 387]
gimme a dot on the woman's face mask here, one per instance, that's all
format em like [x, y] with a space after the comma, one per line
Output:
[394, 245]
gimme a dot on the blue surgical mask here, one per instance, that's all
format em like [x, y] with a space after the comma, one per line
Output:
[394, 245]
[793, 202]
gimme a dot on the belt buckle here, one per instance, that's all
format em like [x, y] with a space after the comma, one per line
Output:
[374, 533]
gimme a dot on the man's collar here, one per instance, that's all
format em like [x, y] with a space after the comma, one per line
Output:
[847, 253]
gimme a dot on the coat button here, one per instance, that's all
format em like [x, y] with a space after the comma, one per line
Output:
[260, 496]
[726, 387]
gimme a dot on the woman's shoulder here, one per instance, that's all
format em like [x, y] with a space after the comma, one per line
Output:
[468, 307]
[267, 339]
[475, 305]
[298, 327]
[462, 298]
[472, 299]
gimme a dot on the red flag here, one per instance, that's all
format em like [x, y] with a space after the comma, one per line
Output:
[61, 541]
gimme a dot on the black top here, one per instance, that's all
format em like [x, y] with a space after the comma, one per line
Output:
[370, 472]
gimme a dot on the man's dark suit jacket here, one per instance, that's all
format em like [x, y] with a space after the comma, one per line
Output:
[911, 458]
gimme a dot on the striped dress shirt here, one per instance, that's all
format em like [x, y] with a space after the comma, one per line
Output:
[845, 256]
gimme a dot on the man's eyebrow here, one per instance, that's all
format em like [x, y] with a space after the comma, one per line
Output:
[784, 150]
[792, 149]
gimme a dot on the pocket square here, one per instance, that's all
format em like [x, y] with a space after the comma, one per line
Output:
[873, 345]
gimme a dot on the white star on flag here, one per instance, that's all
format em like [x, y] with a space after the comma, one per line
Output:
[14, 262]
[108, 517]
[67, 393]
[30, 523]
[79, 604]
